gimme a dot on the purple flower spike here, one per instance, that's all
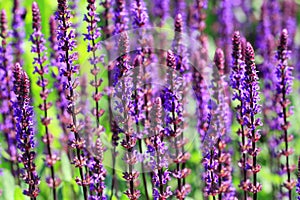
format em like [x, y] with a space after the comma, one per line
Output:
[236, 82]
[18, 33]
[25, 133]
[284, 111]
[226, 19]
[6, 93]
[38, 47]
[158, 151]
[217, 159]
[67, 44]
[61, 102]
[120, 17]
[251, 109]
[139, 13]
[95, 165]
[290, 20]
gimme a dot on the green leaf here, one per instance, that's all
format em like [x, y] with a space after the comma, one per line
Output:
[66, 168]
[19, 194]
[8, 185]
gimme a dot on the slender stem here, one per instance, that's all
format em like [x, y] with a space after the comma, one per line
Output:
[244, 171]
[175, 132]
[140, 141]
[284, 111]
[253, 143]
[219, 170]
[211, 173]
[73, 114]
[130, 166]
[11, 113]
[45, 106]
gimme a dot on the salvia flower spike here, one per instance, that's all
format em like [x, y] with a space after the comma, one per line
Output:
[25, 133]
[251, 109]
[8, 126]
[283, 90]
[41, 68]
[67, 45]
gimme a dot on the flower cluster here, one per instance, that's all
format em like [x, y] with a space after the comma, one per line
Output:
[237, 78]
[139, 13]
[18, 34]
[25, 133]
[38, 47]
[6, 93]
[226, 19]
[66, 46]
[217, 161]
[284, 82]
[129, 127]
[158, 151]
[251, 108]
[120, 17]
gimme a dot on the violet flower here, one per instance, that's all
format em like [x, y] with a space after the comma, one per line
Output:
[221, 125]
[158, 151]
[124, 91]
[284, 111]
[226, 22]
[182, 69]
[289, 20]
[173, 114]
[76, 17]
[67, 44]
[263, 30]
[95, 162]
[251, 109]
[25, 133]
[180, 7]
[18, 34]
[236, 82]
[8, 123]
[120, 17]
[143, 89]
[38, 47]
[274, 12]
[217, 159]
[160, 10]
[107, 29]
[61, 102]
[139, 14]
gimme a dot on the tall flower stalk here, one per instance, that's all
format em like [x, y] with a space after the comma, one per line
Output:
[18, 34]
[25, 134]
[95, 162]
[220, 124]
[237, 78]
[38, 47]
[65, 36]
[61, 101]
[124, 91]
[158, 151]
[252, 108]
[140, 21]
[283, 90]
[8, 123]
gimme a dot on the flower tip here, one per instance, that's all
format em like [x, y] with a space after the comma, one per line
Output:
[178, 22]
[34, 5]
[219, 59]
[171, 59]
